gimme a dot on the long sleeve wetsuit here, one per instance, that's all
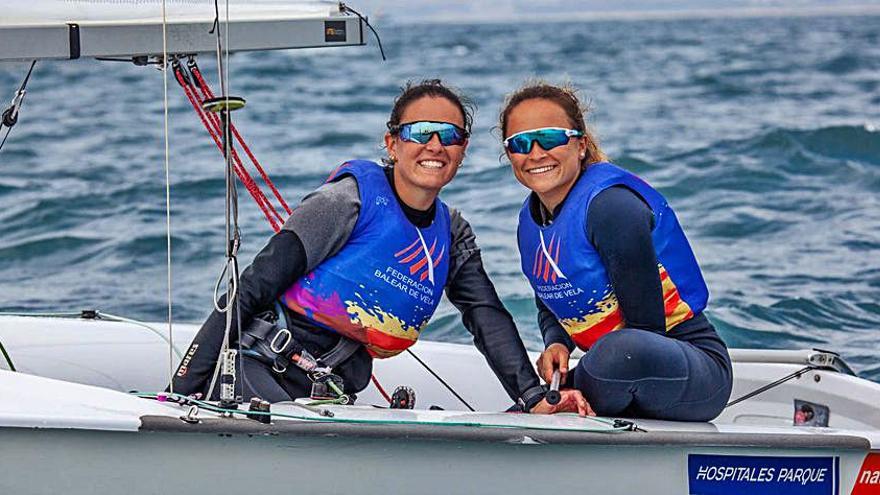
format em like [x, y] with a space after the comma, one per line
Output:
[318, 228]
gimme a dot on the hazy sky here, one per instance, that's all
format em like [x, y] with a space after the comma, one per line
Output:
[488, 10]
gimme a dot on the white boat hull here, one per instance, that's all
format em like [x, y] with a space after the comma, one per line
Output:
[58, 436]
[158, 462]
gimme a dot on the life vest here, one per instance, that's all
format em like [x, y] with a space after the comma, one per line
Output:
[567, 274]
[384, 285]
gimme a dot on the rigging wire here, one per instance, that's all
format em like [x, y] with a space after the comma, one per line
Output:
[346, 8]
[107, 316]
[237, 233]
[443, 382]
[10, 115]
[167, 192]
[6, 357]
[233, 237]
[63, 314]
[95, 315]
[761, 390]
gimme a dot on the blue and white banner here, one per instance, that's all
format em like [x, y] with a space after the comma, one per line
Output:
[762, 475]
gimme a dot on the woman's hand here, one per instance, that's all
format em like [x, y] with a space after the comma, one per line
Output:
[572, 401]
[553, 357]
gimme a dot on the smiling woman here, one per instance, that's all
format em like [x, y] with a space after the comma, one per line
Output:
[359, 269]
[612, 271]
[427, 148]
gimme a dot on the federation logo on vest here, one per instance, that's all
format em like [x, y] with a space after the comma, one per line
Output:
[419, 259]
[546, 265]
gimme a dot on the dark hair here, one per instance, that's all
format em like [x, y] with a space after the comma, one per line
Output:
[434, 88]
[566, 97]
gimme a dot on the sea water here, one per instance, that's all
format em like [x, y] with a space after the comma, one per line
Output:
[761, 132]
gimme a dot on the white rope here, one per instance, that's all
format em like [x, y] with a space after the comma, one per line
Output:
[230, 294]
[100, 315]
[549, 257]
[167, 195]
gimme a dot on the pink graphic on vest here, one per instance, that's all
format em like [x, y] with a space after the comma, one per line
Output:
[416, 257]
[546, 265]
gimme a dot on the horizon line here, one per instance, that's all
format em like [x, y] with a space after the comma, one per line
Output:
[653, 14]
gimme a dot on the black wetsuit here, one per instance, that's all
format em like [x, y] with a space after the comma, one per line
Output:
[318, 228]
[639, 371]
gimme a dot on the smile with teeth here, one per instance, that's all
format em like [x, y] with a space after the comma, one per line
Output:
[431, 164]
[541, 169]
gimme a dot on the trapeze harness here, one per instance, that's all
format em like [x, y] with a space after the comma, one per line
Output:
[379, 291]
[568, 276]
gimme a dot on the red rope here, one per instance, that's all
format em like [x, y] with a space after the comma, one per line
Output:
[379, 387]
[252, 187]
[213, 126]
[275, 218]
[194, 70]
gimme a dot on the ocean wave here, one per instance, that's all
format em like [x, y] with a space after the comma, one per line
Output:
[64, 247]
[778, 158]
[847, 63]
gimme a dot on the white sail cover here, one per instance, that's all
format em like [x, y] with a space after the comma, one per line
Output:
[38, 29]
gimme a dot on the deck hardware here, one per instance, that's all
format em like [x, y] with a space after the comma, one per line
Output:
[260, 406]
[191, 415]
[403, 398]
[622, 424]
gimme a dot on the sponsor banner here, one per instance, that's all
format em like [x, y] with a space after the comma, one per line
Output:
[762, 475]
[868, 480]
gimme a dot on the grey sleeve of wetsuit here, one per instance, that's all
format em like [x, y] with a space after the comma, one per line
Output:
[484, 316]
[325, 219]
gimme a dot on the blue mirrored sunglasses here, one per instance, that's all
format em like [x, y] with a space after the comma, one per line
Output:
[422, 131]
[546, 137]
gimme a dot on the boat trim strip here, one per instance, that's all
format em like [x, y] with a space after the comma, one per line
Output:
[229, 426]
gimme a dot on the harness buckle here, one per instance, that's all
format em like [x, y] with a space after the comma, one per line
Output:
[276, 367]
[282, 334]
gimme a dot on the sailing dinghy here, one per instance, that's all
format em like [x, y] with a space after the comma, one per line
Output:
[69, 409]
[81, 408]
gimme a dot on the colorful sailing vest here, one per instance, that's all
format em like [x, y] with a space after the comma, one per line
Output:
[572, 281]
[384, 285]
